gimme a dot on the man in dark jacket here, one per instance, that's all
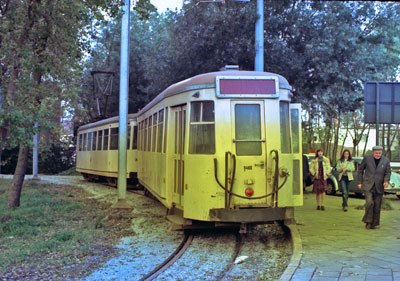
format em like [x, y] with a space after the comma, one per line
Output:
[373, 177]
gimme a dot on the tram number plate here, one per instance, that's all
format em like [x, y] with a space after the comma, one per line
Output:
[248, 168]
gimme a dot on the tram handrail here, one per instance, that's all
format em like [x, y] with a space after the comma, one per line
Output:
[276, 178]
[231, 193]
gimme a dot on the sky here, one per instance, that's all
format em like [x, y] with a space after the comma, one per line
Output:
[162, 5]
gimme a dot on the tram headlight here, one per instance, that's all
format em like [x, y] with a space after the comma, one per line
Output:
[249, 191]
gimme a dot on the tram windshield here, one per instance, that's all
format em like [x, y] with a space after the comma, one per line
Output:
[248, 129]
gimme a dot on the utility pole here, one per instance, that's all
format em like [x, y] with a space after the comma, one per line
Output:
[123, 109]
[259, 59]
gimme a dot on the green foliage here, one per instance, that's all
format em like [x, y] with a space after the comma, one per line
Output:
[70, 172]
[42, 44]
[99, 222]
[50, 229]
[327, 50]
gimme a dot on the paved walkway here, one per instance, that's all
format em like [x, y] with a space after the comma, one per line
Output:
[336, 245]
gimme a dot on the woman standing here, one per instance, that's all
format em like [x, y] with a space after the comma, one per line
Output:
[320, 168]
[345, 167]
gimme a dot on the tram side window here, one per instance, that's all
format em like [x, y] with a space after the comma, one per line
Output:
[140, 136]
[114, 139]
[105, 141]
[165, 130]
[135, 138]
[84, 141]
[149, 132]
[294, 118]
[153, 147]
[285, 127]
[160, 129]
[94, 140]
[99, 138]
[202, 128]
[145, 135]
[80, 141]
[89, 146]
[128, 136]
[248, 129]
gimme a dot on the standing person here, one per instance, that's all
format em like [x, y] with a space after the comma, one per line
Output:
[373, 177]
[345, 167]
[320, 168]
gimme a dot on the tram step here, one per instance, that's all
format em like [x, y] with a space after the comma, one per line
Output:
[178, 220]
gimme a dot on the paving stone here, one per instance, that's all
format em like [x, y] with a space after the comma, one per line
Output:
[302, 276]
[334, 274]
[305, 270]
[379, 278]
[353, 278]
[354, 271]
[335, 241]
[322, 278]
[380, 271]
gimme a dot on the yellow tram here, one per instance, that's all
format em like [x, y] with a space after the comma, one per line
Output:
[223, 147]
[97, 150]
[219, 148]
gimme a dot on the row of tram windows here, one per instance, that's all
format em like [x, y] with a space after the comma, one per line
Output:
[106, 139]
[153, 133]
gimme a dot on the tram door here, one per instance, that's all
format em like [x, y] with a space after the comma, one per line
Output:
[297, 156]
[179, 115]
[248, 125]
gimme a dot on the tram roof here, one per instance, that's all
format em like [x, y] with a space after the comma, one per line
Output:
[205, 81]
[115, 119]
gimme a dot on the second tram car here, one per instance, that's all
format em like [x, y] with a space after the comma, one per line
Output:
[97, 150]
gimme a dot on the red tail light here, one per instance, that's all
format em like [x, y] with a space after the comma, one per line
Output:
[249, 191]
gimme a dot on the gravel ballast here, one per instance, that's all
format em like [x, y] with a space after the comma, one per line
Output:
[266, 247]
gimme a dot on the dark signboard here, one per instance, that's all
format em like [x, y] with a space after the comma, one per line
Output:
[382, 102]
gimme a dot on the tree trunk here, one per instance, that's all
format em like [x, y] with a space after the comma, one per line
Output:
[19, 175]
[336, 141]
[366, 141]
[311, 131]
[391, 141]
[344, 139]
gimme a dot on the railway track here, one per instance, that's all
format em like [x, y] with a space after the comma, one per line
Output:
[238, 249]
[210, 256]
[187, 240]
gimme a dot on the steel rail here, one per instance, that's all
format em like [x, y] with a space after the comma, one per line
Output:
[187, 240]
[238, 248]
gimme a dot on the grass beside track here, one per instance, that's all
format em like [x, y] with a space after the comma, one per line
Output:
[57, 233]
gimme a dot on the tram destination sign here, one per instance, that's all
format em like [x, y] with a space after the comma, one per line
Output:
[247, 86]
[382, 102]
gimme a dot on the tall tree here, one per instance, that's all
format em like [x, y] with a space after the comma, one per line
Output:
[105, 56]
[326, 49]
[42, 43]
